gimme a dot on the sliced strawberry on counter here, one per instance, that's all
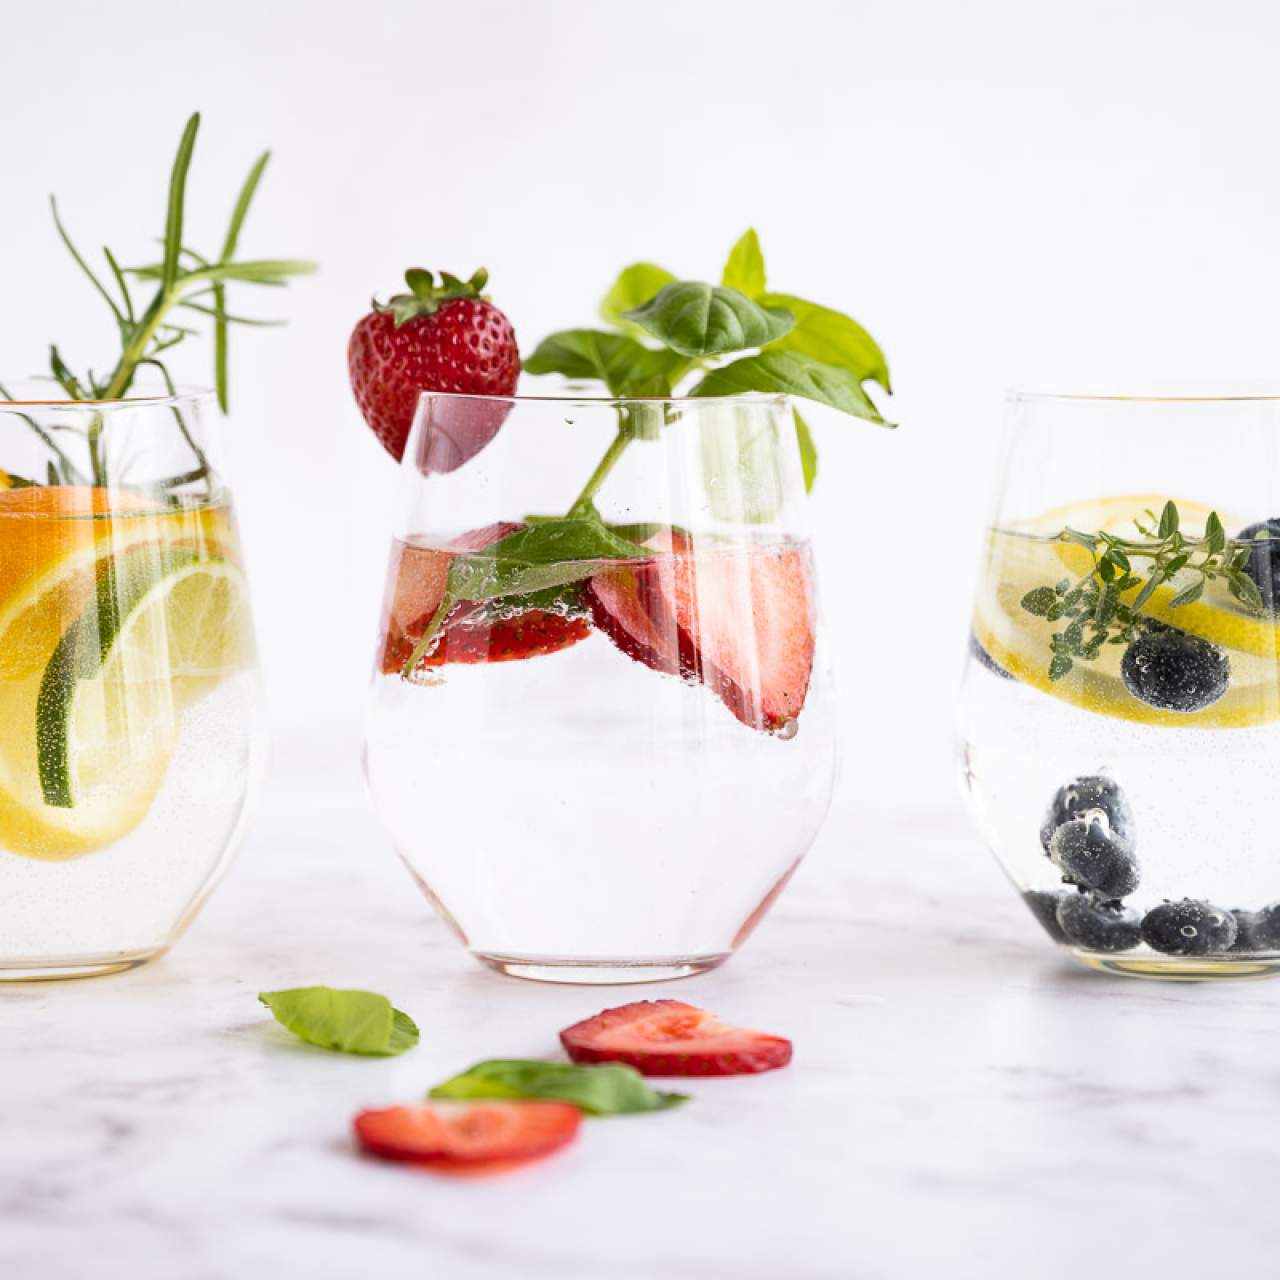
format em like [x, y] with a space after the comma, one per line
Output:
[470, 1137]
[740, 621]
[670, 1038]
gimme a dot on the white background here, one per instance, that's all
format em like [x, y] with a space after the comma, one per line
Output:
[1003, 193]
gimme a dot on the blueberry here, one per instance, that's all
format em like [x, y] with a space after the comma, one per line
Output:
[1175, 671]
[1093, 791]
[1246, 931]
[1100, 926]
[1264, 560]
[984, 659]
[1258, 930]
[1043, 904]
[1088, 854]
[1189, 928]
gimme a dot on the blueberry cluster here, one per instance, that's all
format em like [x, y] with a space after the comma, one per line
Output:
[1089, 834]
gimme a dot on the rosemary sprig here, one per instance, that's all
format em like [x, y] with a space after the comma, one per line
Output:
[181, 278]
[1094, 606]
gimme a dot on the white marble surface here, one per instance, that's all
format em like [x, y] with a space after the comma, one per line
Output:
[962, 1103]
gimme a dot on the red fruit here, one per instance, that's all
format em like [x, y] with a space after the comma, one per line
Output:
[631, 607]
[445, 337]
[470, 635]
[468, 1137]
[502, 640]
[740, 621]
[669, 1038]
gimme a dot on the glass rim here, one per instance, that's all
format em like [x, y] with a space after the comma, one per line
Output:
[1226, 392]
[164, 399]
[742, 398]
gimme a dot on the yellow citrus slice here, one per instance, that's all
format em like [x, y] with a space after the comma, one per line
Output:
[1217, 616]
[112, 620]
[1019, 641]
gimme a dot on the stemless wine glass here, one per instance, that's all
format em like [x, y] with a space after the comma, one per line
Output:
[1120, 715]
[130, 711]
[601, 731]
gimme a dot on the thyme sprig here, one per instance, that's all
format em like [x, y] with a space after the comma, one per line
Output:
[1094, 606]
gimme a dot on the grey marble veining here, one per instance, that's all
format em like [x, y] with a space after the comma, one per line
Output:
[963, 1102]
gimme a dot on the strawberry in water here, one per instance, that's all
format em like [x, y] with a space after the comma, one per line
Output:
[471, 635]
[739, 620]
[670, 1038]
[468, 1138]
[447, 337]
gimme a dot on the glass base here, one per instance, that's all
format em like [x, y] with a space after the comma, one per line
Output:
[53, 968]
[593, 972]
[1180, 968]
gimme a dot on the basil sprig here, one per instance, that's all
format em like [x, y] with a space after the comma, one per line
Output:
[610, 1089]
[664, 331]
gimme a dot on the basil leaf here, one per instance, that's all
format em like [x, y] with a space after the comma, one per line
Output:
[350, 1021]
[832, 337]
[552, 553]
[742, 471]
[705, 320]
[634, 287]
[808, 453]
[607, 1090]
[793, 374]
[745, 269]
[404, 1032]
[621, 363]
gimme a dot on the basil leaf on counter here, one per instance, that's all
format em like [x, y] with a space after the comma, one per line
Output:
[698, 319]
[608, 1090]
[349, 1021]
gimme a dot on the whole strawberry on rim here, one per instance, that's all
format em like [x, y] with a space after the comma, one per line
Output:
[444, 337]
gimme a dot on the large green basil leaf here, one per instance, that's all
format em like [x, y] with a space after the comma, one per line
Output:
[608, 1090]
[706, 320]
[549, 554]
[832, 337]
[621, 363]
[634, 287]
[791, 373]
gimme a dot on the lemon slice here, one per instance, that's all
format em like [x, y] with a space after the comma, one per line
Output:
[87, 751]
[1217, 616]
[1020, 642]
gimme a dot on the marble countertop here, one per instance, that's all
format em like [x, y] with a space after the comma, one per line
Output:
[962, 1103]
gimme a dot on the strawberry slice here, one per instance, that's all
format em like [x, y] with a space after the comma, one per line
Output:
[470, 1137]
[670, 1038]
[417, 587]
[504, 640]
[740, 621]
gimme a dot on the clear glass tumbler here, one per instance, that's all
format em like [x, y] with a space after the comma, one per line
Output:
[1120, 715]
[131, 730]
[601, 732]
